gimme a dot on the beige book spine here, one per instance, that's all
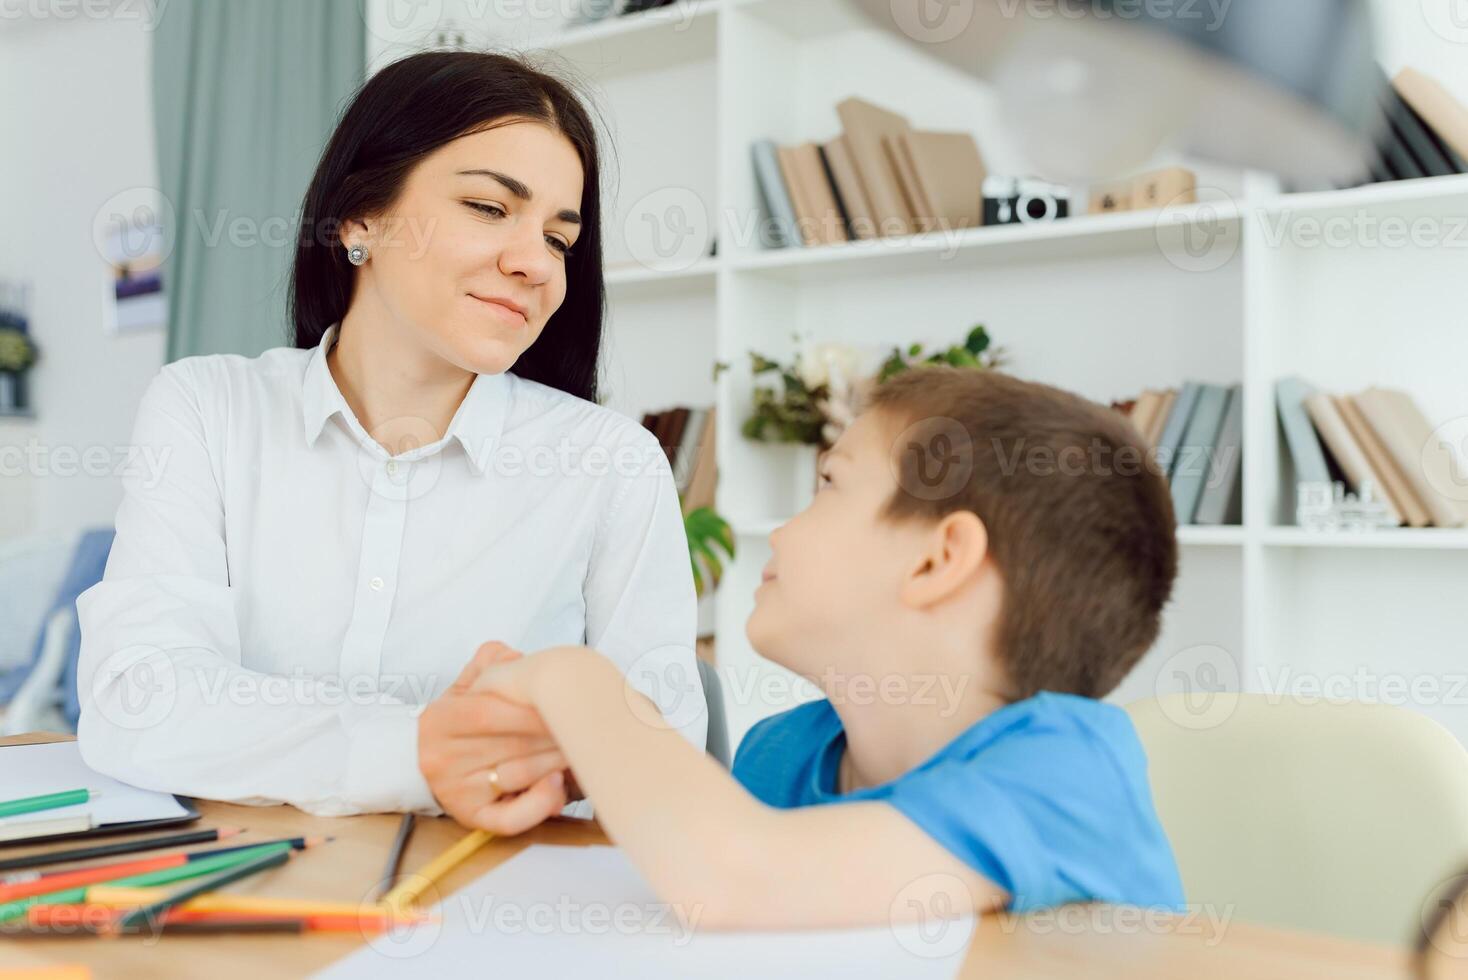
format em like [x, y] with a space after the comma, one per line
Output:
[1347, 451]
[858, 208]
[1394, 485]
[804, 213]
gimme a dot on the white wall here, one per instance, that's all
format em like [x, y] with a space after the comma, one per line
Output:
[76, 111]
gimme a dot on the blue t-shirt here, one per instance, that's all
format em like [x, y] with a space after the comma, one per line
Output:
[1046, 797]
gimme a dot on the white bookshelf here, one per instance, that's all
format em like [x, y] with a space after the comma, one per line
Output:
[1105, 305]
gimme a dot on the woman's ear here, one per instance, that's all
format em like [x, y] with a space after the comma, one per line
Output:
[355, 231]
[953, 551]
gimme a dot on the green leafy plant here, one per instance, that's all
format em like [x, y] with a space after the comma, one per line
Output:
[790, 413]
[708, 535]
[814, 402]
[975, 352]
[17, 353]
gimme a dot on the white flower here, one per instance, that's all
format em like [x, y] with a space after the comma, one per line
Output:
[833, 364]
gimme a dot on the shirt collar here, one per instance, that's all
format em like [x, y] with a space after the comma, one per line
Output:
[476, 425]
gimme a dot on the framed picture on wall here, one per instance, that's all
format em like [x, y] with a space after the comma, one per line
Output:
[135, 298]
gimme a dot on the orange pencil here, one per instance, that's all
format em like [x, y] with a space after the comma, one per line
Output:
[96, 918]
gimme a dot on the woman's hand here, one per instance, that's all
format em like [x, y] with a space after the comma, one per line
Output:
[465, 734]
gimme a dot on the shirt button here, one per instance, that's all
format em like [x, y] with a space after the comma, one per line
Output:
[376, 583]
[392, 467]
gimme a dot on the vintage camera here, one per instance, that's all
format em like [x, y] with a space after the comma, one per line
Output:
[1024, 200]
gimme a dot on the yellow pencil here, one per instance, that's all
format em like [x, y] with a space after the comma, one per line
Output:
[123, 897]
[417, 883]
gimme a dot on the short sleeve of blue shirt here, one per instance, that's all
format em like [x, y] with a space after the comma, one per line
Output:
[1047, 797]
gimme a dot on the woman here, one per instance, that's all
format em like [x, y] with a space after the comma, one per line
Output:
[292, 612]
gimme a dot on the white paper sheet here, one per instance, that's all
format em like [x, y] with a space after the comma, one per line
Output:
[552, 910]
[31, 770]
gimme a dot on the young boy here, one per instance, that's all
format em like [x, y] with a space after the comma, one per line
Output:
[985, 557]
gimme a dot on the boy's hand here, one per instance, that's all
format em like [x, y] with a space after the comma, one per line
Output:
[517, 678]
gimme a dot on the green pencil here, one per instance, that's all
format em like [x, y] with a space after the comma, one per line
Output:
[46, 801]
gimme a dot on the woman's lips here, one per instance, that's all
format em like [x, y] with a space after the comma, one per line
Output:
[513, 317]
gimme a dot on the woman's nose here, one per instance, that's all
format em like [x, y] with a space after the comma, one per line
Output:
[525, 252]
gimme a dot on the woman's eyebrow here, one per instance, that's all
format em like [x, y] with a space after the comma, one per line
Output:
[521, 191]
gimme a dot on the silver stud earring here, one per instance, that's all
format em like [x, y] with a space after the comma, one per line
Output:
[358, 255]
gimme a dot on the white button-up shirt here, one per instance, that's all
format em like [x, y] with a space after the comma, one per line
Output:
[283, 597]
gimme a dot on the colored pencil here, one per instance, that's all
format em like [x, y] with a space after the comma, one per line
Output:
[242, 869]
[192, 869]
[416, 884]
[218, 926]
[46, 828]
[112, 850]
[97, 916]
[395, 854]
[127, 897]
[296, 843]
[46, 801]
[39, 884]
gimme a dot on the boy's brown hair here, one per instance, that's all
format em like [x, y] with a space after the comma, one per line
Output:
[1080, 519]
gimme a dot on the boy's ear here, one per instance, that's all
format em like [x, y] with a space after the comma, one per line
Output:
[954, 550]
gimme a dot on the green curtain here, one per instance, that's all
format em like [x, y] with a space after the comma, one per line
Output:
[245, 96]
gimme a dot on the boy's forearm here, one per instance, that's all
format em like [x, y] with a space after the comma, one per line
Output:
[680, 817]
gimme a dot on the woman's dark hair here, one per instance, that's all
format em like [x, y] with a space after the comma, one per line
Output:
[403, 113]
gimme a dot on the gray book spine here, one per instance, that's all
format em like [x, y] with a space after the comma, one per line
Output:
[1195, 452]
[1176, 426]
[1221, 502]
[782, 231]
[1304, 444]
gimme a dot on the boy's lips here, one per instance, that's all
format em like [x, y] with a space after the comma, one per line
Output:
[766, 576]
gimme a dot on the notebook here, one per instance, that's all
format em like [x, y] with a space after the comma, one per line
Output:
[32, 770]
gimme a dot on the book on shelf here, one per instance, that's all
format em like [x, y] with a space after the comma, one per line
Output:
[1394, 416]
[1195, 435]
[853, 197]
[686, 435]
[1421, 130]
[1378, 438]
[1223, 490]
[1176, 425]
[877, 177]
[1304, 447]
[1442, 114]
[1193, 466]
[864, 125]
[782, 229]
[1393, 486]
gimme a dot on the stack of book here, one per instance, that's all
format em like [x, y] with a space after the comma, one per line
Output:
[687, 437]
[878, 178]
[1424, 130]
[1379, 438]
[1195, 434]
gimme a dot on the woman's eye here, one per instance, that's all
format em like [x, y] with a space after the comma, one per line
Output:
[824, 479]
[495, 211]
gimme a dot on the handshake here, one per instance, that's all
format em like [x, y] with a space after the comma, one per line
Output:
[485, 751]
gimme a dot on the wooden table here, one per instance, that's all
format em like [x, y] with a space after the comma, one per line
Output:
[1080, 942]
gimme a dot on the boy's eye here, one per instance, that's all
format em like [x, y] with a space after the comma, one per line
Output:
[496, 211]
[824, 478]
